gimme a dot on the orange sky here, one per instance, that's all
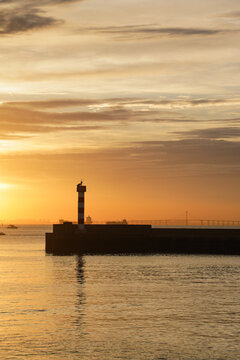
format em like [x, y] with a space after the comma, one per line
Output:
[140, 99]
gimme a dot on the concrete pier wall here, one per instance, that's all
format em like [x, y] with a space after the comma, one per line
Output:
[140, 239]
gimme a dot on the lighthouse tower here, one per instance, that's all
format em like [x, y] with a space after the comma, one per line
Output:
[81, 190]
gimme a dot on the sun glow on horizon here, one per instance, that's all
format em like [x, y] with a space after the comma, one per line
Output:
[4, 186]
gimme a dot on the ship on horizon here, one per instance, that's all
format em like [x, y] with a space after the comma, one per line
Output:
[11, 226]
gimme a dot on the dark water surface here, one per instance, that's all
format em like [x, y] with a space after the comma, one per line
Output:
[115, 307]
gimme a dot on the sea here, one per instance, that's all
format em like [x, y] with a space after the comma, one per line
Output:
[154, 307]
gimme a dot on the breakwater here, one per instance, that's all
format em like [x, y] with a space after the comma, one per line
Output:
[66, 238]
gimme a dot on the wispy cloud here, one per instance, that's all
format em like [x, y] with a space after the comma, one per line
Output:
[42, 3]
[212, 133]
[7, 136]
[151, 31]
[125, 102]
[231, 14]
[55, 103]
[22, 123]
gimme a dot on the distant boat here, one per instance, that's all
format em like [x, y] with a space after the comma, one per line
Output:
[12, 227]
[123, 222]
[2, 233]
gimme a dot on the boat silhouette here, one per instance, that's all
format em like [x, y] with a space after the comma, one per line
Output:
[12, 227]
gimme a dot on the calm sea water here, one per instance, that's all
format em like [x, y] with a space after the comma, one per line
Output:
[115, 307]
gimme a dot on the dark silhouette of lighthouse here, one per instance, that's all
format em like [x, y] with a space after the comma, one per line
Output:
[81, 189]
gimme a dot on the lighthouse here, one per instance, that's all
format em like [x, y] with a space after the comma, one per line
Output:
[81, 189]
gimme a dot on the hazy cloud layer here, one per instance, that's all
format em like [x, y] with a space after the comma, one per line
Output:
[192, 151]
[219, 154]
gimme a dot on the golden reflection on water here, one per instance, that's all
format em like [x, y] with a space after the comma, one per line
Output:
[116, 307]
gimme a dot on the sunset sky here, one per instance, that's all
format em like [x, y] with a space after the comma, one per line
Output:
[139, 98]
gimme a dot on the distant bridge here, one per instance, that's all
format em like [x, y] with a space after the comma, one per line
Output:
[173, 222]
[187, 222]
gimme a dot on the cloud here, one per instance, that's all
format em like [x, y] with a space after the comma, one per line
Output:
[231, 14]
[17, 122]
[33, 117]
[186, 102]
[25, 124]
[82, 111]
[13, 131]
[194, 152]
[54, 103]
[125, 102]
[219, 154]
[213, 133]
[42, 3]
[150, 31]
[24, 19]
[113, 71]
[189, 157]
[25, 15]
[36, 117]
[6, 136]
[53, 2]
